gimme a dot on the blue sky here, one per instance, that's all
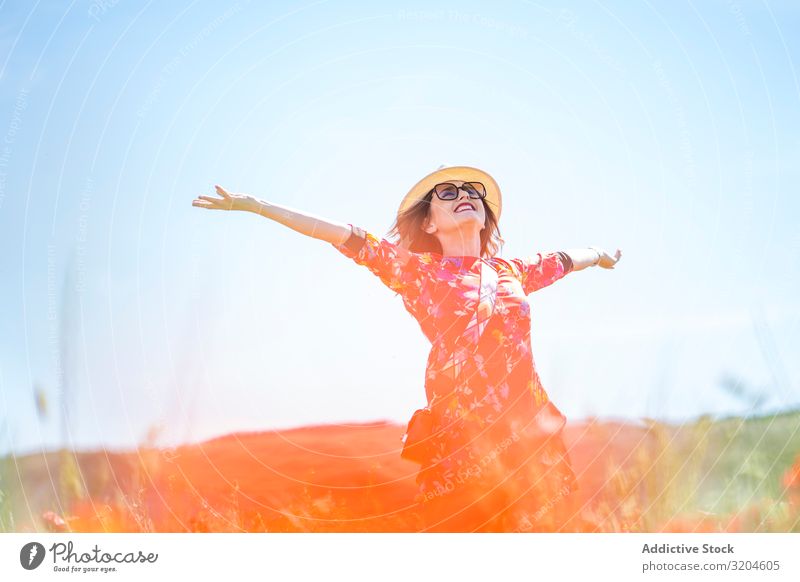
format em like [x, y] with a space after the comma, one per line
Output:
[668, 129]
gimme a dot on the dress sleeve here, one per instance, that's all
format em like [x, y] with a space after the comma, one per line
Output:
[542, 269]
[394, 266]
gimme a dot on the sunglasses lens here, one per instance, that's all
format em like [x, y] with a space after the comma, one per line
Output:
[447, 191]
[474, 189]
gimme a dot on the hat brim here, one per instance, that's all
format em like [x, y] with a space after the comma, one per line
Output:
[460, 173]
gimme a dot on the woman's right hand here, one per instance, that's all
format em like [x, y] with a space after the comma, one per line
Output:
[307, 224]
[226, 201]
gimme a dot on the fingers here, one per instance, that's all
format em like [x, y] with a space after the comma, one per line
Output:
[213, 202]
[209, 205]
[616, 257]
[203, 204]
[607, 260]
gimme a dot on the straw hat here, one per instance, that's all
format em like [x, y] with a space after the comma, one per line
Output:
[461, 173]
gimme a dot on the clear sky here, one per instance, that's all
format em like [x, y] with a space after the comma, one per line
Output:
[670, 130]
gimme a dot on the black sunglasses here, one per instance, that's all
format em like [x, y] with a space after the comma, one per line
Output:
[448, 191]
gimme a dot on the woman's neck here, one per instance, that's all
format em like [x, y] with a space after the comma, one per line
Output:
[461, 247]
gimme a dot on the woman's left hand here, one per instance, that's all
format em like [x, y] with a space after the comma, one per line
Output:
[608, 261]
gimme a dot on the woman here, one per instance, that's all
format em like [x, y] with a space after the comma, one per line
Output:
[489, 441]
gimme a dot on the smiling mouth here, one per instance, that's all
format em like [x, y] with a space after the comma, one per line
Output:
[464, 206]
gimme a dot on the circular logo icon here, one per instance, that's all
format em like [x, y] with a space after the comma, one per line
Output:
[31, 555]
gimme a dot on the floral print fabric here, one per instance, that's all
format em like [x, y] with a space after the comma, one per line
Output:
[494, 425]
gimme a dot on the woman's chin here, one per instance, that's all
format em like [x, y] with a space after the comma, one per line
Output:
[467, 217]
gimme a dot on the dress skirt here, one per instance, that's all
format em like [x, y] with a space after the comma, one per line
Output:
[518, 484]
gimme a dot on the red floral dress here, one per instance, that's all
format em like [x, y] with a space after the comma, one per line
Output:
[498, 462]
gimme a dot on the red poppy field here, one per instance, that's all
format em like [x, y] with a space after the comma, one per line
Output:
[706, 476]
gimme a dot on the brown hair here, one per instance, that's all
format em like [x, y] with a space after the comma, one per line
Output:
[409, 223]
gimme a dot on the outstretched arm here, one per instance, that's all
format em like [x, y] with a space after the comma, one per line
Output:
[591, 257]
[304, 223]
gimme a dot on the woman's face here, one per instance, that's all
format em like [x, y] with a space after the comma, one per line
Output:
[461, 215]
